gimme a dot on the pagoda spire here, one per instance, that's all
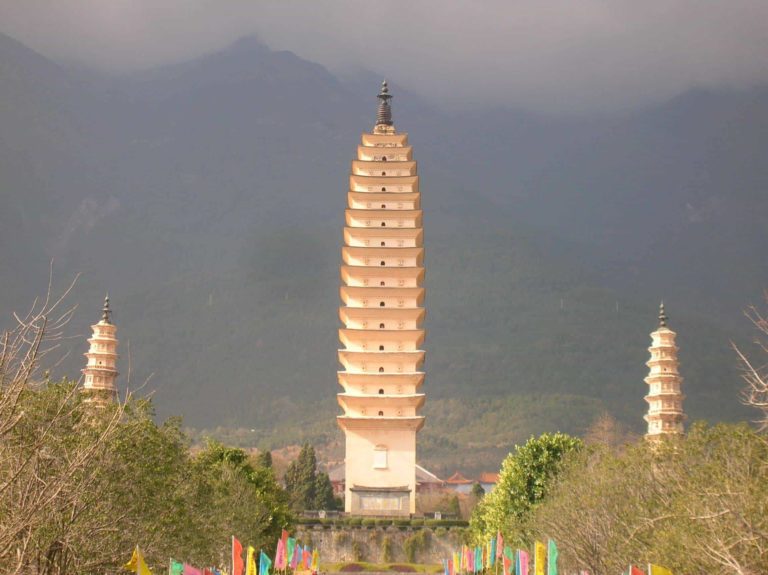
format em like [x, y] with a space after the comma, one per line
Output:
[665, 399]
[106, 312]
[384, 124]
[100, 372]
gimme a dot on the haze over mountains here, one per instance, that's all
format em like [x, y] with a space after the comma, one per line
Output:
[207, 198]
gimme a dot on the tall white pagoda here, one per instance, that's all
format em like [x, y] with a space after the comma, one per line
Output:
[665, 399]
[100, 372]
[382, 275]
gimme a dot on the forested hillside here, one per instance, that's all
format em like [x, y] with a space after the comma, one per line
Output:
[207, 198]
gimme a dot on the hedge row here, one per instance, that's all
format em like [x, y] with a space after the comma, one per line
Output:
[369, 522]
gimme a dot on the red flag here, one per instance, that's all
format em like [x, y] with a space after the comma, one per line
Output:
[635, 570]
[307, 557]
[507, 565]
[499, 545]
[207, 572]
[237, 557]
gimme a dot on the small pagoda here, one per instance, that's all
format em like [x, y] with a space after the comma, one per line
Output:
[100, 372]
[382, 311]
[665, 399]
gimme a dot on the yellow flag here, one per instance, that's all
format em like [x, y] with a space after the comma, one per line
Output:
[315, 560]
[250, 562]
[540, 557]
[658, 570]
[137, 564]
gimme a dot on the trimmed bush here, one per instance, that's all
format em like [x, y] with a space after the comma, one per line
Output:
[368, 522]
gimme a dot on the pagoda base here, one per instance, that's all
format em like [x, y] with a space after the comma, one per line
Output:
[380, 501]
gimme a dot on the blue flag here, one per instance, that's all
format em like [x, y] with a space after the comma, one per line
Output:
[264, 563]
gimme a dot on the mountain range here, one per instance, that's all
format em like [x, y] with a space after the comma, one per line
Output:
[207, 197]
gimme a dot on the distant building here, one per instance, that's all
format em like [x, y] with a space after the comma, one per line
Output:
[382, 293]
[458, 483]
[488, 481]
[100, 372]
[665, 399]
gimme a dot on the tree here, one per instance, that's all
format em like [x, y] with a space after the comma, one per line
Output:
[525, 477]
[264, 459]
[477, 491]
[696, 504]
[80, 485]
[301, 479]
[755, 373]
[324, 498]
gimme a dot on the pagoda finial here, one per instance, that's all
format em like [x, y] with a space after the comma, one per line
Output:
[106, 311]
[384, 114]
[662, 315]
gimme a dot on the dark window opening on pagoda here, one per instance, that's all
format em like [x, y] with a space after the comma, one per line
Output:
[383, 173]
[383, 224]
[382, 283]
[381, 304]
[383, 263]
[381, 392]
[383, 244]
[381, 348]
[381, 325]
[383, 205]
[381, 414]
[384, 159]
[383, 189]
[381, 370]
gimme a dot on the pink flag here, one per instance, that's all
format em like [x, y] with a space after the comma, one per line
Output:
[499, 545]
[523, 562]
[296, 556]
[189, 570]
[280, 562]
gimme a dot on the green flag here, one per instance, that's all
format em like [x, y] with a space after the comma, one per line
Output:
[291, 545]
[551, 558]
[176, 568]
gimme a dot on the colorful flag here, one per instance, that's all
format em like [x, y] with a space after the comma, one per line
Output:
[499, 544]
[658, 570]
[295, 556]
[306, 557]
[522, 563]
[551, 557]
[634, 570]
[250, 562]
[175, 568]
[137, 564]
[492, 552]
[290, 547]
[539, 557]
[189, 570]
[316, 560]
[280, 562]
[237, 557]
[456, 563]
[265, 563]
[506, 564]
[478, 559]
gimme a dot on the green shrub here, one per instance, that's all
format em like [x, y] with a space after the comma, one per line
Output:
[383, 522]
[368, 522]
[354, 521]
[417, 523]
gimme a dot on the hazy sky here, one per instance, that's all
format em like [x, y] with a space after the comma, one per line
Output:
[550, 55]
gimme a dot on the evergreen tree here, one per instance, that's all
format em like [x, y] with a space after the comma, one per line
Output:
[301, 479]
[324, 493]
[477, 491]
[264, 459]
